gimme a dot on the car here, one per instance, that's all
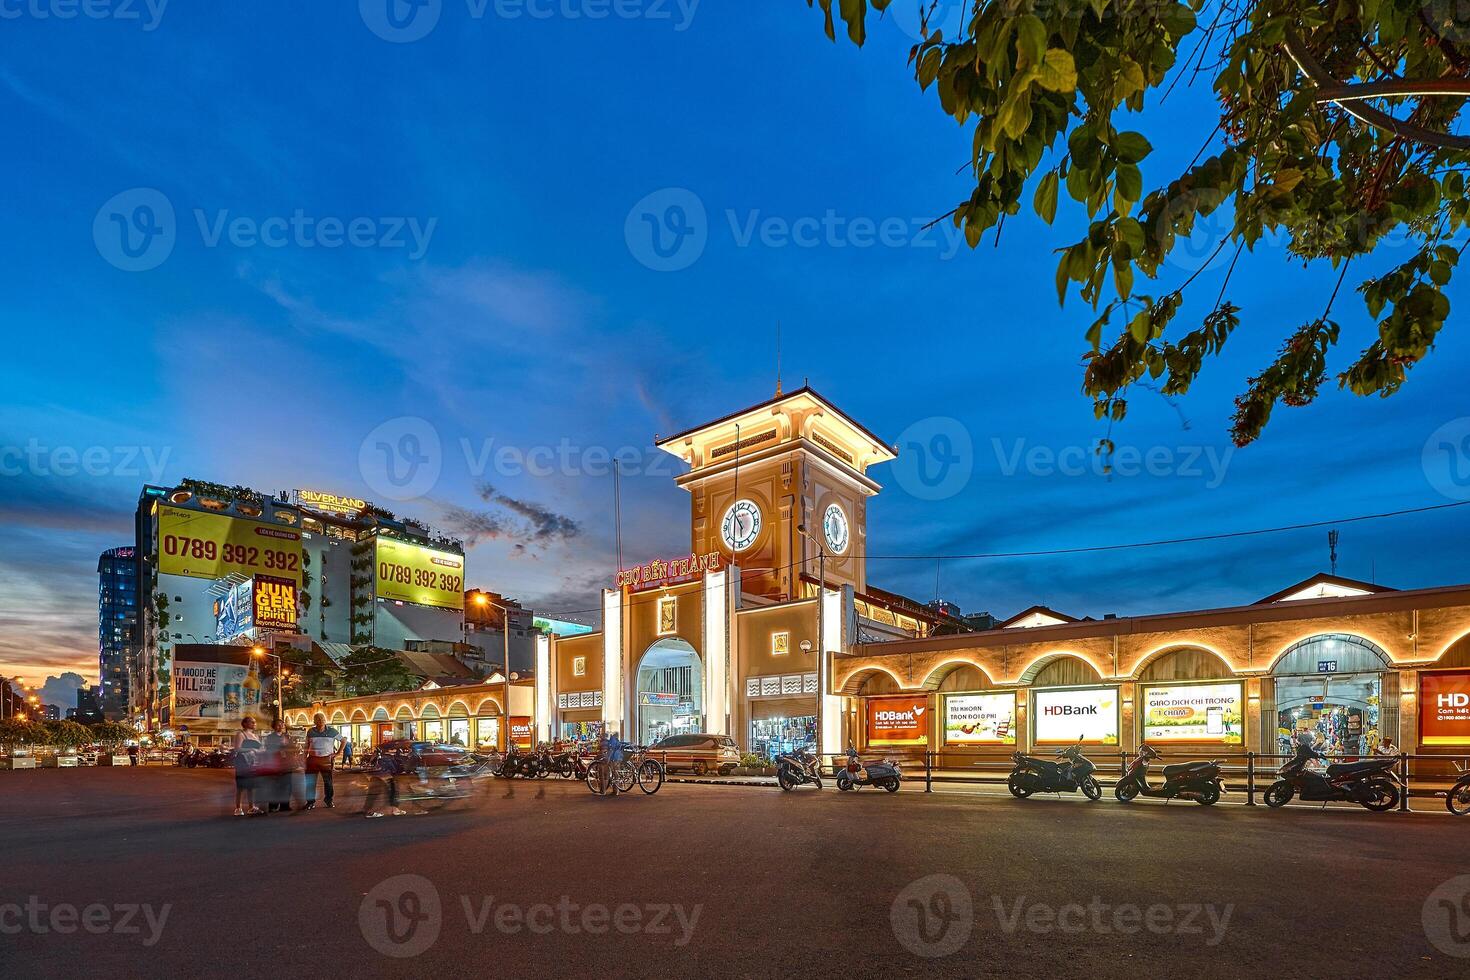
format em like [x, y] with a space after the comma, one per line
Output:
[431, 755]
[698, 752]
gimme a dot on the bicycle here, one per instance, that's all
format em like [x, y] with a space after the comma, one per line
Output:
[649, 770]
[606, 774]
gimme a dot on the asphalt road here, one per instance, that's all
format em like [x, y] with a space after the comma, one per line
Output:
[141, 872]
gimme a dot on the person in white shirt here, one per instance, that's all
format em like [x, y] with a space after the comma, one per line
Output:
[322, 745]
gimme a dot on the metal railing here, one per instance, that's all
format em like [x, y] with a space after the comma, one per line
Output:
[1434, 774]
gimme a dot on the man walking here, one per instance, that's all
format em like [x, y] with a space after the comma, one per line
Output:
[322, 744]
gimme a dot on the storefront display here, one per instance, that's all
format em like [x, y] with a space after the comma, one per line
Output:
[434, 731]
[898, 720]
[770, 737]
[1444, 707]
[980, 719]
[581, 731]
[1338, 713]
[1088, 715]
[459, 731]
[487, 734]
[1194, 713]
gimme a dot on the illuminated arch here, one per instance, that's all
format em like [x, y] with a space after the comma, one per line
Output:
[404, 712]
[464, 708]
[380, 713]
[854, 682]
[1034, 669]
[427, 707]
[941, 671]
[1152, 657]
[1455, 653]
[488, 699]
[359, 714]
[339, 716]
[1356, 639]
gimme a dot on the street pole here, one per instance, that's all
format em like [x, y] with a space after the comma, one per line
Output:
[821, 636]
[482, 599]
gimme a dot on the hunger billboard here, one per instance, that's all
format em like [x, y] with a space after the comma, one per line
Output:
[1444, 707]
[415, 573]
[210, 546]
[898, 720]
[980, 719]
[1193, 713]
[275, 603]
[1084, 714]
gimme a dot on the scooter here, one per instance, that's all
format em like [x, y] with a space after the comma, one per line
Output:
[518, 763]
[1370, 783]
[1457, 800]
[1198, 781]
[856, 773]
[1074, 772]
[797, 768]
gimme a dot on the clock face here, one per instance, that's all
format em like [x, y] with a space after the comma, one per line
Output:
[834, 528]
[741, 526]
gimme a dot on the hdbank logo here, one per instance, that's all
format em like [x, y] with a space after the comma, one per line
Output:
[135, 230]
[400, 21]
[667, 230]
[1446, 459]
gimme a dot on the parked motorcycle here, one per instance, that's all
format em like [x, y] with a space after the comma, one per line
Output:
[1370, 783]
[569, 764]
[1073, 772]
[517, 763]
[797, 768]
[856, 773]
[1458, 798]
[1198, 781]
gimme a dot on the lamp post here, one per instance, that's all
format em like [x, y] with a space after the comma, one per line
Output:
[259, 651]
[821, 634]
[481, 599]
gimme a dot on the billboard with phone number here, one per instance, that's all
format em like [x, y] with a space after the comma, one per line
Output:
[1444, 707]
[419, 574]
[1077, 715]
[210, 546]
[1194, 713]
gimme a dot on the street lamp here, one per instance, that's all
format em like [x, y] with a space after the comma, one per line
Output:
[483, 600]
[259, 651]
[821, 633]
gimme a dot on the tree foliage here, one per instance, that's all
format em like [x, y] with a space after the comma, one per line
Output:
[374, 670]
[112, 733]
[1048, 85]
[14, 732]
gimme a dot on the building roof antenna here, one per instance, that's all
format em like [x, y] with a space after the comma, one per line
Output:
[778, 358]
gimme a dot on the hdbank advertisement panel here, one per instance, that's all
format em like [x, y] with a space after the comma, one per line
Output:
[1194, 713]
[898, 720]
[980, 719]
[1444, 707]
[1080, 715]
[415, 573]
[210, 546]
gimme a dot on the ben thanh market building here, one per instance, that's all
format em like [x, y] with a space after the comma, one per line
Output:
[767, 630]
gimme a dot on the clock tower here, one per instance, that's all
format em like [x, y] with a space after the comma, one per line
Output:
[760, 477]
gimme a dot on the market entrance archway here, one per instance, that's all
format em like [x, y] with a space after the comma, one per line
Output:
[670, 691]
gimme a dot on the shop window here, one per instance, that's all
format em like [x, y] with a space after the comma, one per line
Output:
[459, 731]
[1332, 690]
[770, 737]
[433, 731]
[487, 733]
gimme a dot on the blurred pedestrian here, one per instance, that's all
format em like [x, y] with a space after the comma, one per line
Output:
[247, 747]
[275, 770]
[322, 745]
[346, 752]
[385, 766]
[133, 754]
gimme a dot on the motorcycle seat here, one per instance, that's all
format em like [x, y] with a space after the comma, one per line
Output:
[1367, 765]
[1181, 767]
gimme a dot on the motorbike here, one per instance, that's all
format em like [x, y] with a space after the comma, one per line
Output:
[518, 763]
[1458, 798]
[856, 773]
[1370, 783]
[797, 768]
[1197, 781]
[1074, 772]
[570, 764]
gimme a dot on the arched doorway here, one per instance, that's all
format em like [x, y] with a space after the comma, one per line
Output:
[1336, 689]
[670, 691]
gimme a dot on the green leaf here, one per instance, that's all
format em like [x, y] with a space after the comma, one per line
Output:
[1131, 147]
[1123, 278]
[1058, 71]
[1129, 183]
[1030, 40]
[1045, 201]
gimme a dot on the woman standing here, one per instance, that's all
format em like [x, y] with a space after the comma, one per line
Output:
[275, 771]
[247, 747]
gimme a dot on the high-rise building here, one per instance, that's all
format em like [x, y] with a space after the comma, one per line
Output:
[118, 631]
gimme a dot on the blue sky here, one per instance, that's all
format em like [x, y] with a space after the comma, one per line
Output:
[459, 229]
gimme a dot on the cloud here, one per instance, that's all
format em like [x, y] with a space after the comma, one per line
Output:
[547, 524]
[62, 690]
